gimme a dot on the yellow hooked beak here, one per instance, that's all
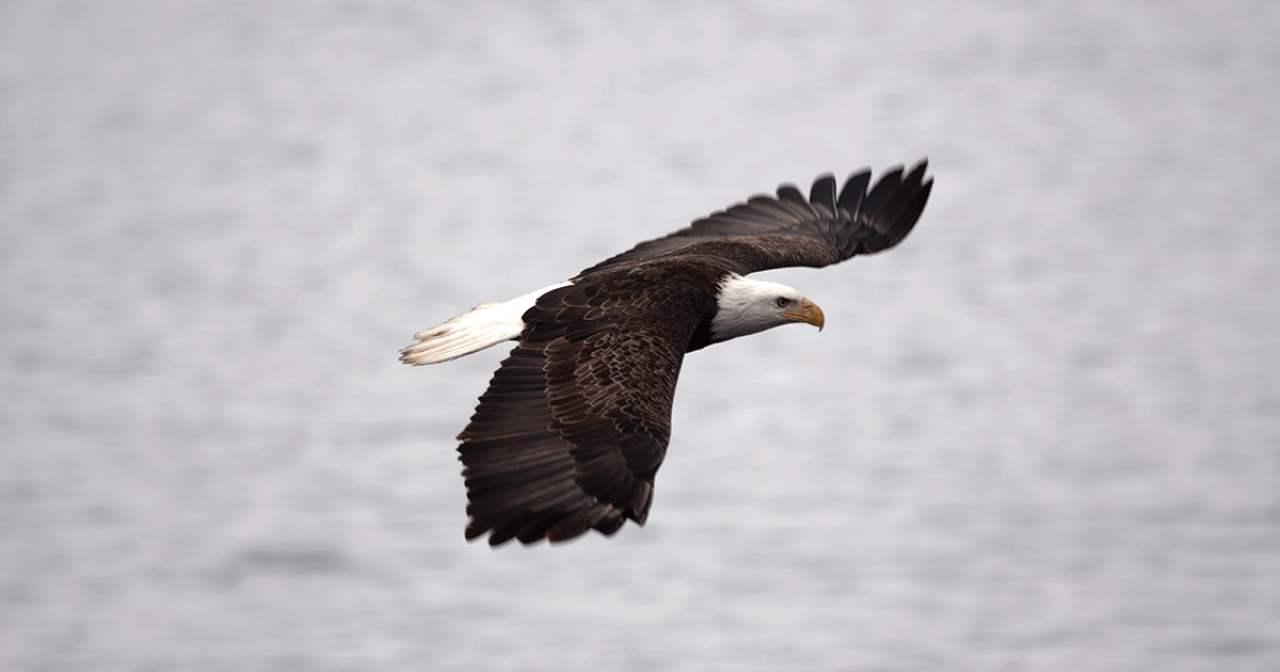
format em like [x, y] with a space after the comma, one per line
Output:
[808, 312]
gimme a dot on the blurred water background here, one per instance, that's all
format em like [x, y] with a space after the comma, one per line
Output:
[1042, 434]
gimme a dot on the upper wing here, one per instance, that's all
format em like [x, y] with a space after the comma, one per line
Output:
[576, 421]
[767, 232]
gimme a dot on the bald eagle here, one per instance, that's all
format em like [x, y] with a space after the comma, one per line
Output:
[577, 419]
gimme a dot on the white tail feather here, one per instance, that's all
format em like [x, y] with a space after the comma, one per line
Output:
[486, 325]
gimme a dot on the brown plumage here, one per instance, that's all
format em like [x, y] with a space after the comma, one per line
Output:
[577, 419]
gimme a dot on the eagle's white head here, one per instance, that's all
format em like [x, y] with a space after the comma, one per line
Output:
[749, 306]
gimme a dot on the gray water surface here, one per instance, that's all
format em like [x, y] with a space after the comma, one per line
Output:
[1041, 434]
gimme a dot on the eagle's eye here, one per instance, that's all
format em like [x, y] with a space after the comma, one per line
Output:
[783, 301]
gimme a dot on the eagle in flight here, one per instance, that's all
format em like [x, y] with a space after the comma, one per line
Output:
[577, 419]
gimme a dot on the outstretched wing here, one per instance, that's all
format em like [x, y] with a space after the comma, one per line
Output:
[790, 230]
[576, 421]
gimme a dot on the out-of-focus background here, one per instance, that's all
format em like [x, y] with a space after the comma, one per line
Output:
[1042, 434]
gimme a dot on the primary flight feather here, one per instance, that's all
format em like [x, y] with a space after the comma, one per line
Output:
[577, 419]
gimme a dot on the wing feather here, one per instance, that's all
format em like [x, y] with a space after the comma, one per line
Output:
[823, 194]
[885, 186]
[788, 192]
[854, 191]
